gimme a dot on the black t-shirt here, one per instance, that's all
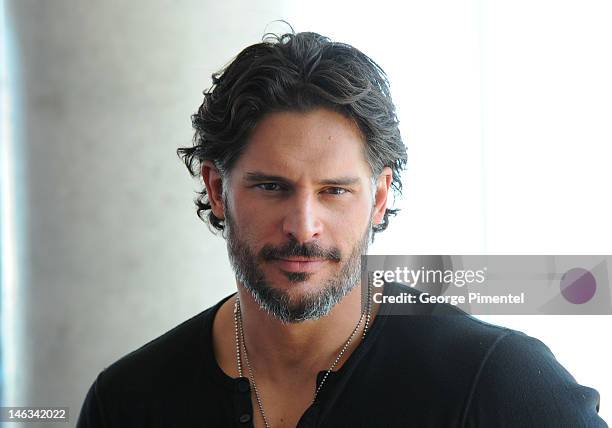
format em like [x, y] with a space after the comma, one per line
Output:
[445, 370]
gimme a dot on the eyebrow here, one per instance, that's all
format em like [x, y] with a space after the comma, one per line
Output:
[257, 176]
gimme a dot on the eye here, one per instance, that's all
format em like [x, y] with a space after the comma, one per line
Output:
[269, 187]
[336, 191]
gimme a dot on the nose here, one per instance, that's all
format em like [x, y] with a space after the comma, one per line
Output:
[302, 220]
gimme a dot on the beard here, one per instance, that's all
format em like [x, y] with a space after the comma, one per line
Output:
[279, 303]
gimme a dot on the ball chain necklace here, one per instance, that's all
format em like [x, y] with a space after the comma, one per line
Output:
[241, 346]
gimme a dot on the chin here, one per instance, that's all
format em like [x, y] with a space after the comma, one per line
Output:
[296, 287]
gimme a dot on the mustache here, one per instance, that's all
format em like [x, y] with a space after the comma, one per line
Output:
[294, 249]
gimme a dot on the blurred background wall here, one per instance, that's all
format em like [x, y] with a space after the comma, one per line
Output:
[504, 107]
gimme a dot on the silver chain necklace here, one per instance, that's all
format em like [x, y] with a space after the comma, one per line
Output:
[241, 346]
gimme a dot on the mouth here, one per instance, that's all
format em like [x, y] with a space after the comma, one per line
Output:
[299, 264]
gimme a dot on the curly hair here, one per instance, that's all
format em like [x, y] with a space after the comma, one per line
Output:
[294, 72]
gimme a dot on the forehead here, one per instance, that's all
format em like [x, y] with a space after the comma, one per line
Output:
[317, 143]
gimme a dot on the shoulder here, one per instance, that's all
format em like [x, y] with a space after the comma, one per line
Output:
[438, 330]
[500, 375]
[173, 351]
[161, 371]
[445, 343]
[521, 382]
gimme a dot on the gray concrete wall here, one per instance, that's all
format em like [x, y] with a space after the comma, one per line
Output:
[113, 253]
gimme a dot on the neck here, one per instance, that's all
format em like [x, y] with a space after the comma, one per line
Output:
[308, 347]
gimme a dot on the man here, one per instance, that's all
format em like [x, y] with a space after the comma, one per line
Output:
[298, 145]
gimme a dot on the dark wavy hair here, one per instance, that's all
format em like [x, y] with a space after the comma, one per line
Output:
[294, 72]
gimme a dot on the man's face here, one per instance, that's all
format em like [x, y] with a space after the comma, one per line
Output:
[298, 212]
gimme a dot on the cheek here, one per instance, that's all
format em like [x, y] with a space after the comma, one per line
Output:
[350, 225]
[363, 210]
[254, 220]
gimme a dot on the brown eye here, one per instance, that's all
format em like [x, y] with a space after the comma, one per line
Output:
[336, 191]
[270, 187]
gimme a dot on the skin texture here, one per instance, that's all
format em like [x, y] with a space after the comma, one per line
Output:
[321, 196]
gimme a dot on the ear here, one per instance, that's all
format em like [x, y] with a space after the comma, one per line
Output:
[383, 184]
[214, 187]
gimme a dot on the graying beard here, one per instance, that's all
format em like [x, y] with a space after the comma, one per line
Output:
[276, 303]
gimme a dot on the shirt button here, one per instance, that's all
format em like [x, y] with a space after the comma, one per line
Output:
[243, 385]
[245, 418]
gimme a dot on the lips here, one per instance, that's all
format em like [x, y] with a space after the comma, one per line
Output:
[299, 264]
